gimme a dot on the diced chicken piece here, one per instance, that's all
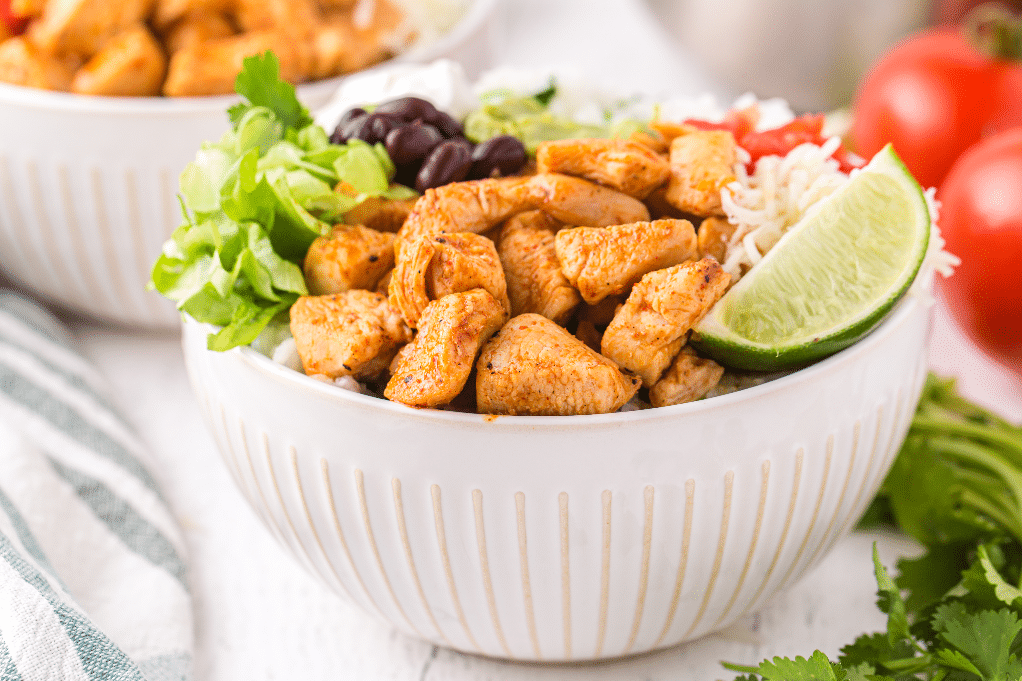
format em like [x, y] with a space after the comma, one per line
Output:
[27, 8]
[210, 68]
[714, 234]
[475, 206]
[355, 333]
[352, 257]
[702, 163]
[383, 215]
[130, 64]
[81, 27]
[195, 29]
[689, 378]
[293, 17]
[21, 63]
[535, 282]
[344, 42]
[575, 201]
[654, 142]
[649, 329]
[433, 369]
[626, 166]
[167, 12]
[535, 367]
[431, 267]
[603, 261]
[669, 130]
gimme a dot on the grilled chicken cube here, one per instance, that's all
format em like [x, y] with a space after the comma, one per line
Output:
[22, 63]
[714, 235]
[383, 215]
[81, 27]
[355, 333]
[688, 378]
[166, 12]
[535, 282]
[475, 206]
[603, 261]
[130, 64]
[294, 17]
[535, 367]
[433, 369]
[702, 163]
[628, 167]
[431, 267]
[650, 328]
[352, 257]
[211, 68]
[344, 42]
[196, 28]
[575, 201]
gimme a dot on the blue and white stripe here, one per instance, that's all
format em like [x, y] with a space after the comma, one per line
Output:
[92, 573]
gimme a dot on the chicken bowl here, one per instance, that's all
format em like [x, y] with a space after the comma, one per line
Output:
[571, 537]
[89, 184]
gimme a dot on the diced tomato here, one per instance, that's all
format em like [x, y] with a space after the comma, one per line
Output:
[777, 141]
[15, 24]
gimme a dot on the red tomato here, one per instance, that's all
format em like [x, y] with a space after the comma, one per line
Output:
[14, 23]
[933, 96]
[981, 220]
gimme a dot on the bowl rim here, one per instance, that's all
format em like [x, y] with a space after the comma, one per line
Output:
[253, 359]
[18, 95]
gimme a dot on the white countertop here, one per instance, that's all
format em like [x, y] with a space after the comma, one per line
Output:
[260, 617]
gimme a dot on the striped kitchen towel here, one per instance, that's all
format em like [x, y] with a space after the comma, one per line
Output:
[92, 574]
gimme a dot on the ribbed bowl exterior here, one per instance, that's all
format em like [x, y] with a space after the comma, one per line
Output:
[564, 538]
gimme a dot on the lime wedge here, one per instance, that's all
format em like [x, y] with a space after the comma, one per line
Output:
[830, 280]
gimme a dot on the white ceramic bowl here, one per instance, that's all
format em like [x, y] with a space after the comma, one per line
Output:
[557, 538]
[88, 185]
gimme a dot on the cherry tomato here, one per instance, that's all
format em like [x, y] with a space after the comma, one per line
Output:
[981, 220]
[933, 96]
[14, 24]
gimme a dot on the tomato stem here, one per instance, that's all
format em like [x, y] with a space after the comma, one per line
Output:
[995, 30]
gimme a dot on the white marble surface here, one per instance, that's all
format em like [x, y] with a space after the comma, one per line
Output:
[259, 617]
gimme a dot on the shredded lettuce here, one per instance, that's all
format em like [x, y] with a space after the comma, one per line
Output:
[252, 204]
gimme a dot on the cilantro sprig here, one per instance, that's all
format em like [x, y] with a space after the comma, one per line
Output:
[252, 204]
[955, 613]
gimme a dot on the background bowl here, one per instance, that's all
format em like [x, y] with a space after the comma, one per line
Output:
[88, 185]
[557, 538]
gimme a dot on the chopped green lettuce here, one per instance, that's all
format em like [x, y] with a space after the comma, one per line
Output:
[254, 201]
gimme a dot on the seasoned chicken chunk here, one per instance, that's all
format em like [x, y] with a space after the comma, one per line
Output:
[167, 12]
[689, 378]
[22, 63]
[626, 166]
[196, 28]
[649, 329]
[575, 201]
[355, 333]
[714, 234]
[383, 215]
[130, 64]
[474, 206]
[535, 282]
[211, 68]
[702, 163]
[433, 369]
[535, 367]
[81, 27]
[431, 267]
[351, 257]
[343, 42]
[602, 261]
[295, 17]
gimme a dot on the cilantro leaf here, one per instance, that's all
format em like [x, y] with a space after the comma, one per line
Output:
[986, 587]
[260, 84]
[816, 668]
[547, 94]
[985, 638]
[890, 602]
[928, 578]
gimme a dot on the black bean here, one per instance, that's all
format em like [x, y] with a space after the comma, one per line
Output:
[447, 126]
[448, 162]
[409, 109]
[412, 142]
[349, 117]
[372, 128]
[501, 155]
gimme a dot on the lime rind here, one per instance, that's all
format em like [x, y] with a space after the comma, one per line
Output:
[830, 280]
